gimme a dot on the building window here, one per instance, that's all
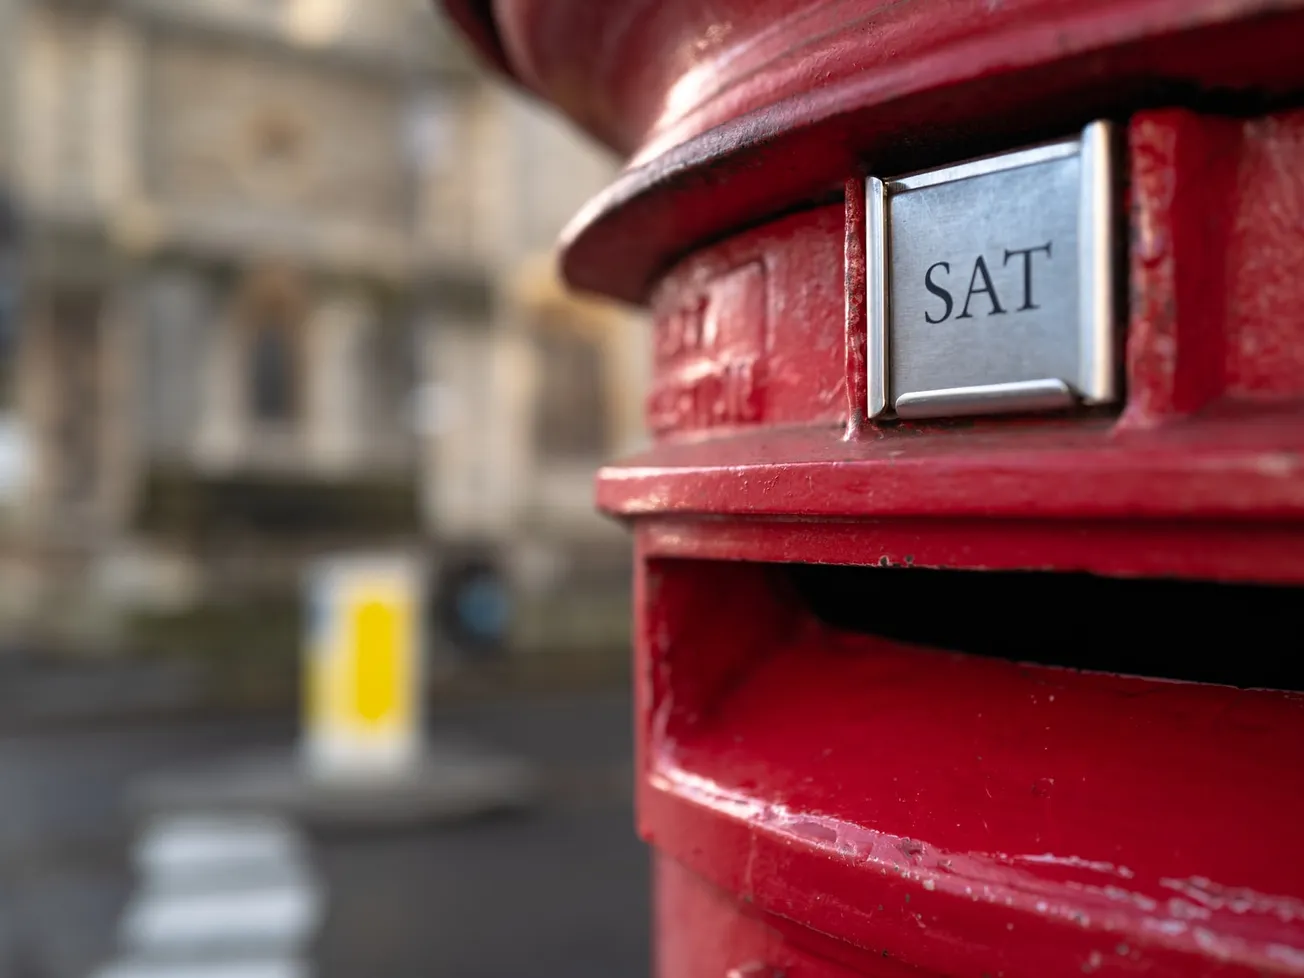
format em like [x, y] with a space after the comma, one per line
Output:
[77, 401]
[10, 281]
[270, 312]
[273, 379]
[571, 419]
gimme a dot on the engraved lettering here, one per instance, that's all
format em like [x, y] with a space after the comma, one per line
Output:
[681, 331]
[1027, 254]
[980, 268]
[718, 394]
[710, 353]
[938, 291]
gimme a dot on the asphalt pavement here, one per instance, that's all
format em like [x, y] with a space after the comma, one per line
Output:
[560, 890]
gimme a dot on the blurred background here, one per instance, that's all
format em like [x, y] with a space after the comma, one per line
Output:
[277, 297]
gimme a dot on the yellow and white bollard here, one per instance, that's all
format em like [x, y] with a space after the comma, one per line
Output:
[364, 667]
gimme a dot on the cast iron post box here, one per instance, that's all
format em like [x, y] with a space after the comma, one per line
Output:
[969, 546]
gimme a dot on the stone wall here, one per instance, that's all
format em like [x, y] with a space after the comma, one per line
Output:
[274, 139]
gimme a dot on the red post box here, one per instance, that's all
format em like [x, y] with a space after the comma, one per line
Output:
[970, 543]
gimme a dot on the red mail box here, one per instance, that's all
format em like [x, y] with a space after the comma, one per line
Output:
[1007, 696]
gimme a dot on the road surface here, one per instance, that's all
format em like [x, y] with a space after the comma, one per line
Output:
[559, 891]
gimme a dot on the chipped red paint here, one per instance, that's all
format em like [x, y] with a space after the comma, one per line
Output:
[855, 282]
[824, 803]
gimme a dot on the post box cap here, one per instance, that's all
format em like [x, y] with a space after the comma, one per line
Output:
[734, 111]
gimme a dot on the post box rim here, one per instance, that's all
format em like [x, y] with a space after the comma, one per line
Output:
[775, 141]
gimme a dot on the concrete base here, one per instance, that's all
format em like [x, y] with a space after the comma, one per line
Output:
[454, 781]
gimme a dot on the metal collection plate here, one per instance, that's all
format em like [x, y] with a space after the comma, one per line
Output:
[991, 283]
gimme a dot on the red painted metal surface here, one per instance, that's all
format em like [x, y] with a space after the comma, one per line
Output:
[824, 800]
[963, 815]
[1212, 429]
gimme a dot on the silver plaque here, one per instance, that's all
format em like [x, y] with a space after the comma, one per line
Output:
[991, 283]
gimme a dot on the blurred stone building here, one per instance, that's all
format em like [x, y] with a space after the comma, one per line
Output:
[285, 290]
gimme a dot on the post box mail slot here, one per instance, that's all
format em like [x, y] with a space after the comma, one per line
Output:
[991, 283]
